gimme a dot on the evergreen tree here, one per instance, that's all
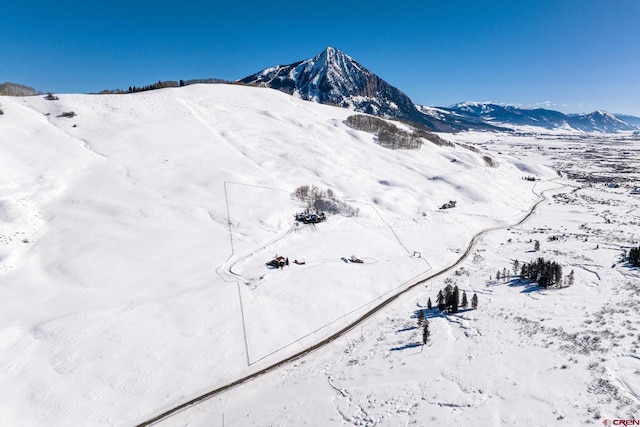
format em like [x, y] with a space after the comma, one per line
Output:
[420, 318]
[516, 267]
[425, 332]
[448, 290]
[634, 256]
[546, 273]
[429, 306]
[536, 246]
[498, 276]
[465, 302]
[441, 301]
[474, 301]
[455, 300]
[570, 279]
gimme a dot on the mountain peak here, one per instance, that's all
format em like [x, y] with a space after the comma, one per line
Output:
[333, 77]
[330, 51]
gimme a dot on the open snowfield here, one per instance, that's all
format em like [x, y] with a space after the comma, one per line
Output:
[133, 242]
[527, 356]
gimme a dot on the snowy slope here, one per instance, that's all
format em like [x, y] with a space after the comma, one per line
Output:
[527, 356]
[134, 237]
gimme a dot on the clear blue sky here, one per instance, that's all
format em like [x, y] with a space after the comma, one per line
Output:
[569, 55]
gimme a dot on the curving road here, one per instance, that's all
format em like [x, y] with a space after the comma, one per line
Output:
[183, 406]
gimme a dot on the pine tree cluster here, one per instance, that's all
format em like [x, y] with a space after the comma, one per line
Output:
[546, 273]
[449, 299]
[159, 85]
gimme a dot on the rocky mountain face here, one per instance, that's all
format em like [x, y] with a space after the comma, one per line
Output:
[333, 77]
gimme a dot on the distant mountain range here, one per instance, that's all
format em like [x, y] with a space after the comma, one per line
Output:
[521, 118]
[333, 77]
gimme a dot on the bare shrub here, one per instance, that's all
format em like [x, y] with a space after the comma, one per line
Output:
[323, 200]
[469, 147]
[15, 89]
[490, 161]
[68, 114]
[433, 138]
[388, 135]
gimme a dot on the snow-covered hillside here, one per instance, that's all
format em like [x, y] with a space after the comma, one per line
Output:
[133, 238]
[527, 356]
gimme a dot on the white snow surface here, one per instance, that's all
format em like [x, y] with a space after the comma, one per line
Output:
[133, 242]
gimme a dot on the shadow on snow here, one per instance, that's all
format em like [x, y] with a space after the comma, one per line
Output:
[407, 346]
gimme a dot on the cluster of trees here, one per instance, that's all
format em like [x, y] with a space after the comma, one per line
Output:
[448, 300]
[160, 85]
[323, 201]
[112, 92]
[489, 161]
[15, 89]
[310, 194]
[433, 138]
[388, 134]
[546, 273]
[469, 147]
[634, 256]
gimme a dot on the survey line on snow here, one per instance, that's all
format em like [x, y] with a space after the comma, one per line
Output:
[390, 228]
[244, 325]
[226, 200]
[208, 395]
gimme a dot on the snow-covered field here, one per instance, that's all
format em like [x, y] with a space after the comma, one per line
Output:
[133, 242]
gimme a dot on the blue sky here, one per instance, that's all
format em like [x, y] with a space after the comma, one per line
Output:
[569, 55]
